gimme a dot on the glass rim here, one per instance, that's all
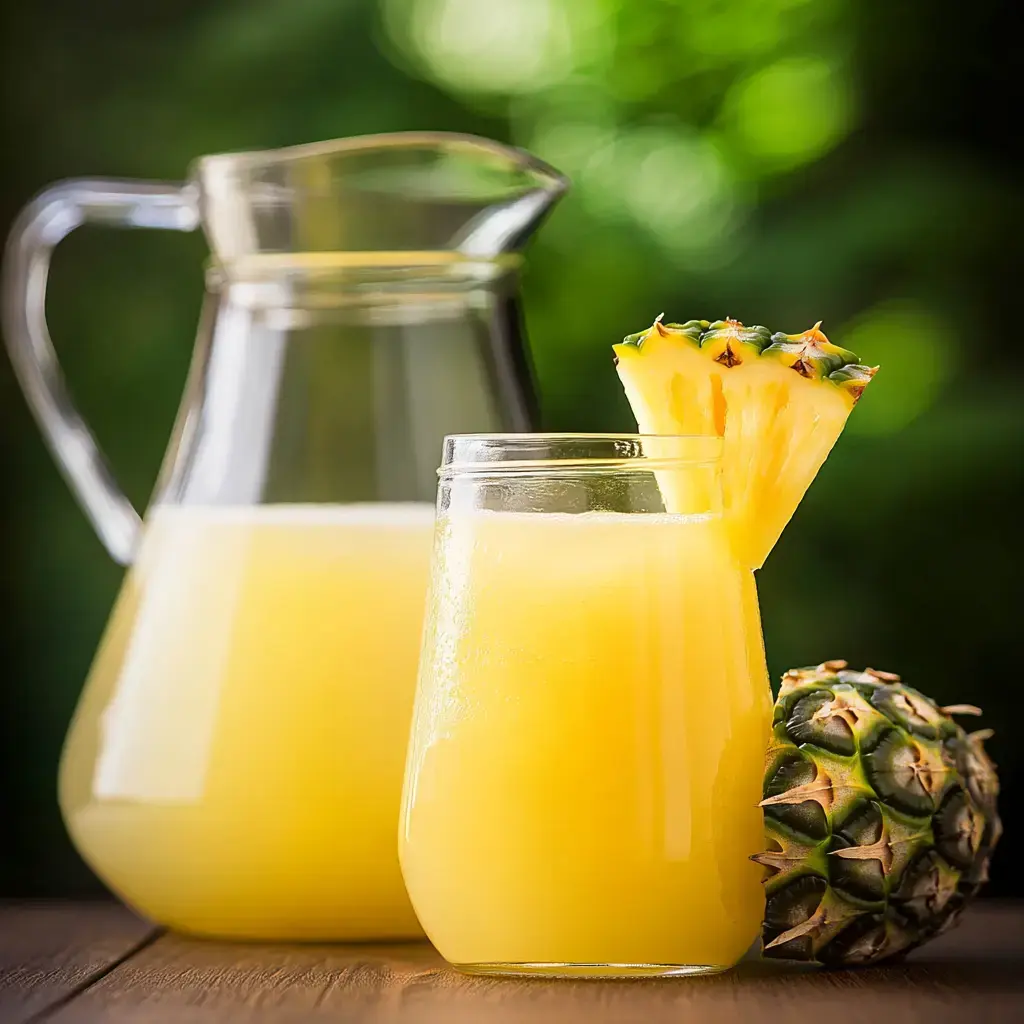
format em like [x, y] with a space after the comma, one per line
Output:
[553, 452]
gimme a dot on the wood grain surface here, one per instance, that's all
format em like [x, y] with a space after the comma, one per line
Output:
[51, 951]
[972, 975]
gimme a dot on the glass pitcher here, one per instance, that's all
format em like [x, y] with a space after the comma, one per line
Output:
[234, 766]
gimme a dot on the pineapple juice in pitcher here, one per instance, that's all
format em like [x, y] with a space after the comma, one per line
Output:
[234, 765]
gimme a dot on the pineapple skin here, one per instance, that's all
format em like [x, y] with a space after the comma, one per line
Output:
[880, 817]
[780, 401]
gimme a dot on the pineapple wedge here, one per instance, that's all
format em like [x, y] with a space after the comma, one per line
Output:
[779, 401]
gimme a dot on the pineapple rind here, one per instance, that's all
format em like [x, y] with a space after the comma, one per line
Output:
[853, 379]
[865, 879]
[729, 343]
[810, 353]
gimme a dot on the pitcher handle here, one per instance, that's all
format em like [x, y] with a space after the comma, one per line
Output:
[53, 215]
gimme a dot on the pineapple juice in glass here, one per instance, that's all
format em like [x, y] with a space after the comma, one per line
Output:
[234, 767]
[582, 785]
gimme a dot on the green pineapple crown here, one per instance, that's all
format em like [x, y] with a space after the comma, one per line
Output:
[809, 353]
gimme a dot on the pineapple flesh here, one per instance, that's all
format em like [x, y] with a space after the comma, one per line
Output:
[880, 817]
[779, 402]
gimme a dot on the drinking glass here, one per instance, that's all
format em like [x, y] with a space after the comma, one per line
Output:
[582, 784]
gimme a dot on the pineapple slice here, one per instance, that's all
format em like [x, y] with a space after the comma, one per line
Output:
[779, 401]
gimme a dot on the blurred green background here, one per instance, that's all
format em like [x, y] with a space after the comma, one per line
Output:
[779, 161]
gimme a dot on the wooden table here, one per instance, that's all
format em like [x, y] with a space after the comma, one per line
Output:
[97, 962]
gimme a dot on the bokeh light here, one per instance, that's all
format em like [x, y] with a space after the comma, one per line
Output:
[665, 114]
[919, 353]
[789, 113]
[501, 46]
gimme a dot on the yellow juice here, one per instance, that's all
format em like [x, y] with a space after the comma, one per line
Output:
[235, 765]
[587, 743]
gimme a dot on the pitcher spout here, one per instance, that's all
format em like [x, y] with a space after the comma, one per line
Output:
[508, 224]
[409, 192]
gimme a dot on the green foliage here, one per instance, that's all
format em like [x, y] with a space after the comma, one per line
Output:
[774, 160]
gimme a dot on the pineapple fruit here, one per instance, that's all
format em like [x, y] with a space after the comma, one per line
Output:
[880, 817]
[779, 401]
